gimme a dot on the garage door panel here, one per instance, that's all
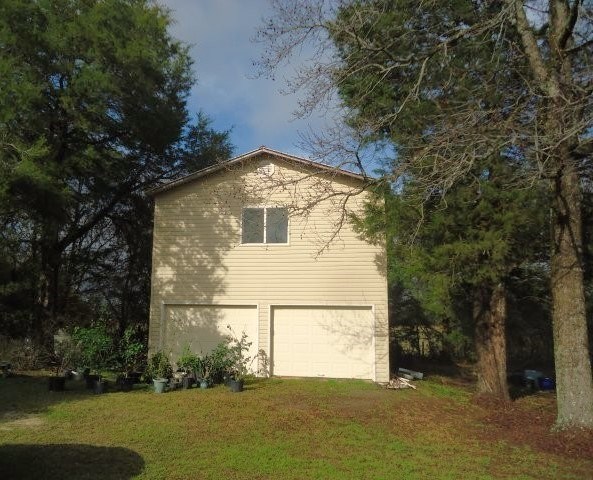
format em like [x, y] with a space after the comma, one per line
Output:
[323, 341]
[203, 327]
[300, 331]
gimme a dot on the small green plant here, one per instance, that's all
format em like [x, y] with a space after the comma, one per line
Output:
[221, 361]
[66, 354]
[131, 351]
[96, 347]
[203, 368]
[239, 348]
[188, 361]
[159, 366]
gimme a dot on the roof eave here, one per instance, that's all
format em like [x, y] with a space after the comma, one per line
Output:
[241, 158]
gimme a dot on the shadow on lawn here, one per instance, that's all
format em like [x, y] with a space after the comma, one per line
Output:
[23, 395]
[68, 462]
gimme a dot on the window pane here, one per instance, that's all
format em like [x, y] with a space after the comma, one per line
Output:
[277, 225]
[253, 225]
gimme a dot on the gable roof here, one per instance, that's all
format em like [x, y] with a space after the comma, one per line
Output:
[249, 156]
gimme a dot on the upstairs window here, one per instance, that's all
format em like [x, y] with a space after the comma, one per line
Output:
[265, 225]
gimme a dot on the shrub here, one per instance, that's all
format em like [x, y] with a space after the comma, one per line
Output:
[221, 362]
[239, 360]
[23, 354]
[67, 353]
[188, 361]
[159, 366]
[203, 368]
[96, 346]
[131, 351]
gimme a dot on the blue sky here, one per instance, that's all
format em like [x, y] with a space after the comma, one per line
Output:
[220, 32]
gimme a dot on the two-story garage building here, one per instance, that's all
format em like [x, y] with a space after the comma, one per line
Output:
[263, 243]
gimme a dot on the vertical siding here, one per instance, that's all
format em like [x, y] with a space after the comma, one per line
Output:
[198, 257]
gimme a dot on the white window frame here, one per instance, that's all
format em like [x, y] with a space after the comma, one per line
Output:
[265, 207]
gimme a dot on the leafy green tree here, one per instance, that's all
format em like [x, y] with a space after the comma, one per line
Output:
[461, 250]
[93, 111]
[451, 83]
[97, 349]
[203, 146]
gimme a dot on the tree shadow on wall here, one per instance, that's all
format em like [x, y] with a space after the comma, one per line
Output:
[349, 339]
[68, 462]
[198, 228]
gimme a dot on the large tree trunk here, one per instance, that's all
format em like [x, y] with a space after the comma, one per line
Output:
[571, 347]
[555, 79]
[48, 296]
[489, 312]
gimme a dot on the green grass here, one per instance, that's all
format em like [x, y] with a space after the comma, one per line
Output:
[278, 428]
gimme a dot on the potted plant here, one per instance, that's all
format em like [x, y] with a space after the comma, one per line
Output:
[79, 374]
[186, 366]
[96, 350]
[239, 361]
[131, 351]
[65, 355]
[160, 370]
[220, 362]
[203, 370]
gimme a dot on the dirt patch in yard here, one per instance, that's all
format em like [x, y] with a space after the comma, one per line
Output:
[528, 421]
[12, 420]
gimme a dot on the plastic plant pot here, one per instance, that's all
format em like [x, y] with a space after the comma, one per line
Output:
[236, 386]
[159, 384]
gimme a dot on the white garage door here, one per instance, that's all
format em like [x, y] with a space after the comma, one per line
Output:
[335, 342]
[203, 327]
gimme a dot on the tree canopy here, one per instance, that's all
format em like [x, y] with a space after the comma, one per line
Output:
[452, 83]
[460, 253]
[93, 112]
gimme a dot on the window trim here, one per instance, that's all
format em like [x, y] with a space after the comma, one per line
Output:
[266, 244]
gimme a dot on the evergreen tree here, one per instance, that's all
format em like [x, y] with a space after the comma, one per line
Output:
[452, 83]
[461, 249]
[93, 111]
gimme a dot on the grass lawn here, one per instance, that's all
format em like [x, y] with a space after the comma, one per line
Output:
[278, 428]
